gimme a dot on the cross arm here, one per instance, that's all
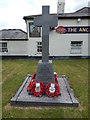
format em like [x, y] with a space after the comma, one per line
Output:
[53, 21]
[38, 21]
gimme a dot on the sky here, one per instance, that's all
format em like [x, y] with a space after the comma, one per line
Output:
[13, 11]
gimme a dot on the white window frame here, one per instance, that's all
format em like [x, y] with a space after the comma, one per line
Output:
[3, 47]
[76, 47]
[39, 47]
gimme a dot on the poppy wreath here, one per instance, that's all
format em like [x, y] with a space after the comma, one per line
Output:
[37, 88]
[53, 93]
[34, 91]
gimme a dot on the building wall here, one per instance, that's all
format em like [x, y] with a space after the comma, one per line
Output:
[16, 48]
[73, 22]
[32, 46]
[60, 44]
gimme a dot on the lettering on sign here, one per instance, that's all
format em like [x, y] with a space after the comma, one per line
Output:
[67, 30]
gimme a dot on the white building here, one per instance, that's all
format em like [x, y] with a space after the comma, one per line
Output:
[68, 39]
[13, 43]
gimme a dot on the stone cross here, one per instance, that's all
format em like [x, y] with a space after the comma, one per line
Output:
[46, 21]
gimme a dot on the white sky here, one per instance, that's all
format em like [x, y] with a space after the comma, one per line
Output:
[12, 11]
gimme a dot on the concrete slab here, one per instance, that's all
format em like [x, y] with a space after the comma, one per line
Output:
[66, 97]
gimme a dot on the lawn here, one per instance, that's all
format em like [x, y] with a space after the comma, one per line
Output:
[14, 73]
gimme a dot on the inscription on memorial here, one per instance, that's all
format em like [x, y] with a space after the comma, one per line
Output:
[43, 69]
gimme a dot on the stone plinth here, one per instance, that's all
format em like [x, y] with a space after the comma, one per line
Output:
[65, 98]
[45, 72]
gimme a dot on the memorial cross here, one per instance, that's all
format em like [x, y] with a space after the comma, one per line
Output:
[46, 21]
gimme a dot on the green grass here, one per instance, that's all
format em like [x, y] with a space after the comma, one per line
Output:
[14, 73]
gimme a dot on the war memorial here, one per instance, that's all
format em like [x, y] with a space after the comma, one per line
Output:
[44, 87]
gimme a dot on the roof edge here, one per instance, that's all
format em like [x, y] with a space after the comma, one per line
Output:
[81, 9]
[60, 16]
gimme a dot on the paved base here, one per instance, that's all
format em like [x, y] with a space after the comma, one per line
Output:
[65, 97]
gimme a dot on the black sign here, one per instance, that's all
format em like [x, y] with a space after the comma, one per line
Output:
[67, 30]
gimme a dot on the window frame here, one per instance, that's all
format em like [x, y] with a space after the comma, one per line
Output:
[30, 33]
[76, 45]
[39, 47]
[3, 47]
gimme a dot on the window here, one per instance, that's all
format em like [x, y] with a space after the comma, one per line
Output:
[39, 47]
[34, 31]
[76, 47]
[3, 47]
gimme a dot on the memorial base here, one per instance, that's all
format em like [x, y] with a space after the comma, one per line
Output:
[45, 72]
[65, 98]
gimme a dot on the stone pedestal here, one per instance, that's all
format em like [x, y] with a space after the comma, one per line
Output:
[45, 72]
[65, 98]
